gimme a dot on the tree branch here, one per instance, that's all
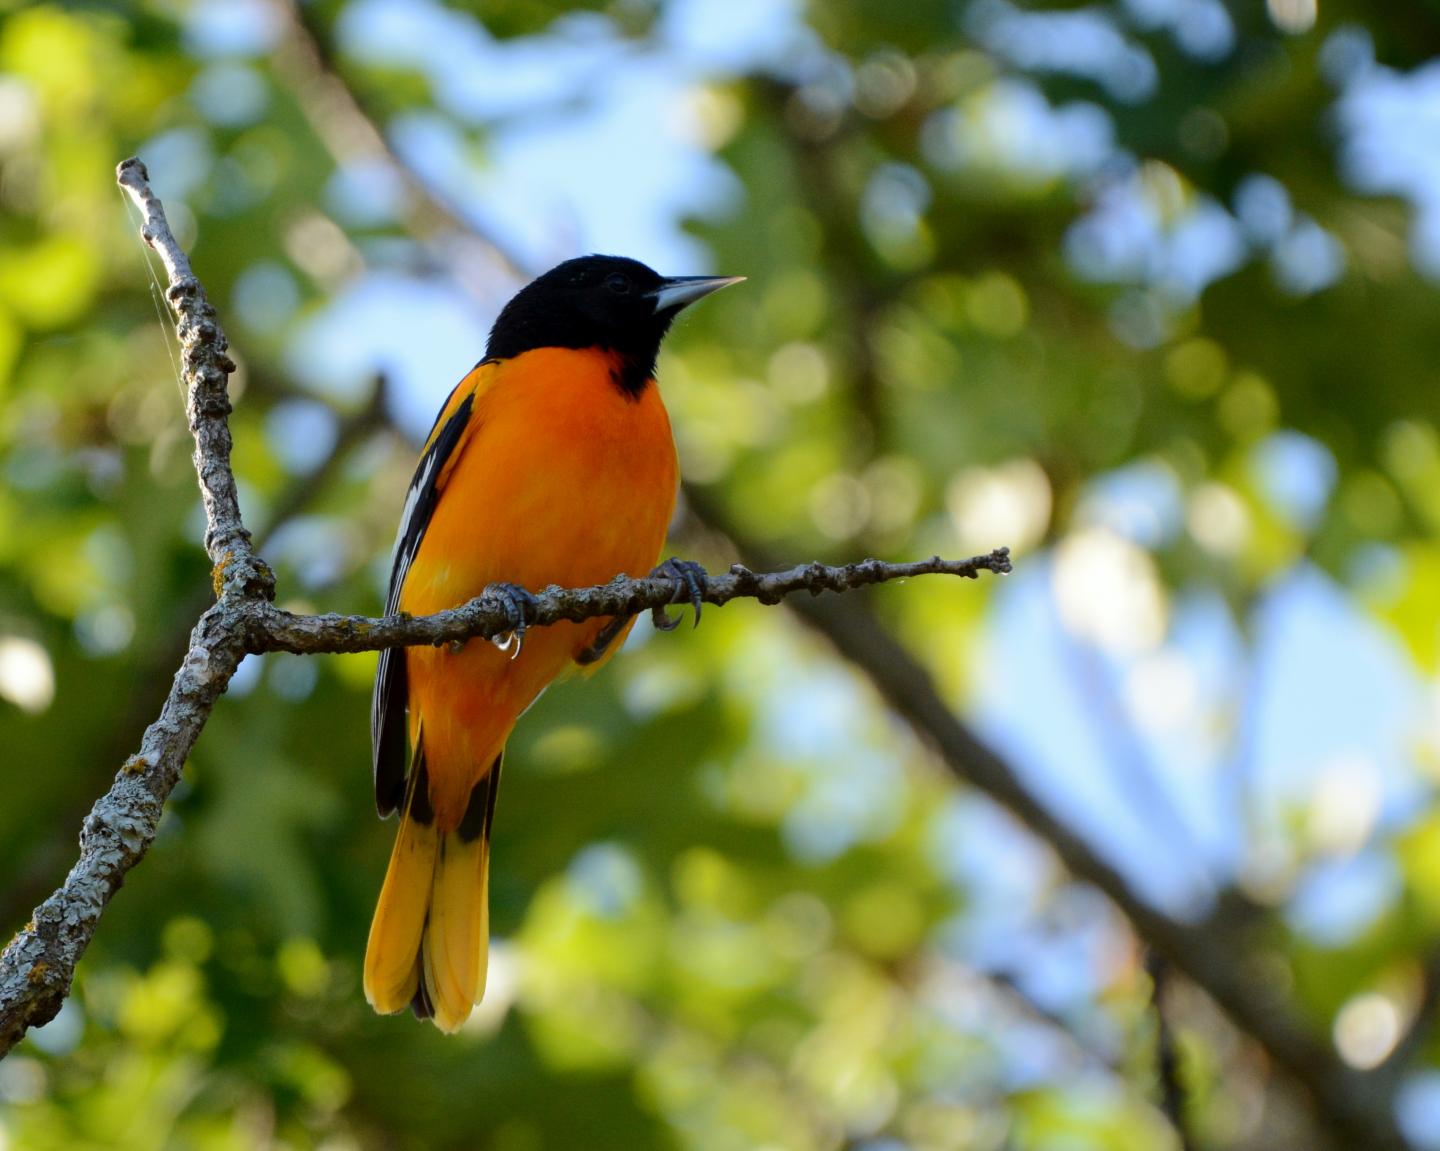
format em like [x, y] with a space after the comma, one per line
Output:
[38, 966]
[493, 613]
[206, 369]
[39, 963]
[1355, 1107]
[153, 671]
[352, 135]
[1343, 1100]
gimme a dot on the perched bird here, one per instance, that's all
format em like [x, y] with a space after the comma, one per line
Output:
[552, 462]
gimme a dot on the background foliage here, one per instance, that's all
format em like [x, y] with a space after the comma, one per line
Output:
[1144, 289]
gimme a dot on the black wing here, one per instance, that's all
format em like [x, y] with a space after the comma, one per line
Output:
[387, 706]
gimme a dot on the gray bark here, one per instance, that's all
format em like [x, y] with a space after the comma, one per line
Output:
[38, 966]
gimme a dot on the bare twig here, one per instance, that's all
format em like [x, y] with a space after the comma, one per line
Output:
[1217, 941]
[1356, 1108]
[38, 966]
[1343, 1100]
[491, 615]
[152, 673]
[206, 368]
[351, 135]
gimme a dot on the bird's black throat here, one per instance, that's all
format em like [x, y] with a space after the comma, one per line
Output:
[600, 302]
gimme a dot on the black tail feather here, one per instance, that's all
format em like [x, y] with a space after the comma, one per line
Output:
[421, 1005]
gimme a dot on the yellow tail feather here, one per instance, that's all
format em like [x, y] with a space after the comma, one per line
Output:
[392, 954]
[457, 934]
[429, 940]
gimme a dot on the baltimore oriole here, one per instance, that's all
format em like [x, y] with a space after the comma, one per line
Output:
[552, 462]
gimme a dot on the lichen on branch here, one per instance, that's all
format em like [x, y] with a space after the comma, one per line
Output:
[38, 966]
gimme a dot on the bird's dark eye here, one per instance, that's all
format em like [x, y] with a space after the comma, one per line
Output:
[618, 282]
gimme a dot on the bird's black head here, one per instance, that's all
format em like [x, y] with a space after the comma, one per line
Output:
[605, 302]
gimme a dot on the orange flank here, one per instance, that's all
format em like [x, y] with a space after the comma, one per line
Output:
[608, 470]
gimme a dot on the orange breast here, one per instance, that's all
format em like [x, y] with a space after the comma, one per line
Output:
[563, 479]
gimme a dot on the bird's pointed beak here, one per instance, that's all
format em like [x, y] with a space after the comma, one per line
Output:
[681, 291]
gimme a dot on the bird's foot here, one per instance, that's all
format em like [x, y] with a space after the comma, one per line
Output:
[690, 583]
[516, 600]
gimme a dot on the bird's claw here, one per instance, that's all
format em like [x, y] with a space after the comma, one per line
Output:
[602, 641]
[690, 582]
[516, 599]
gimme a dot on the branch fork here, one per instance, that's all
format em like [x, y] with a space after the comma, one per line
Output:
[37, 967]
